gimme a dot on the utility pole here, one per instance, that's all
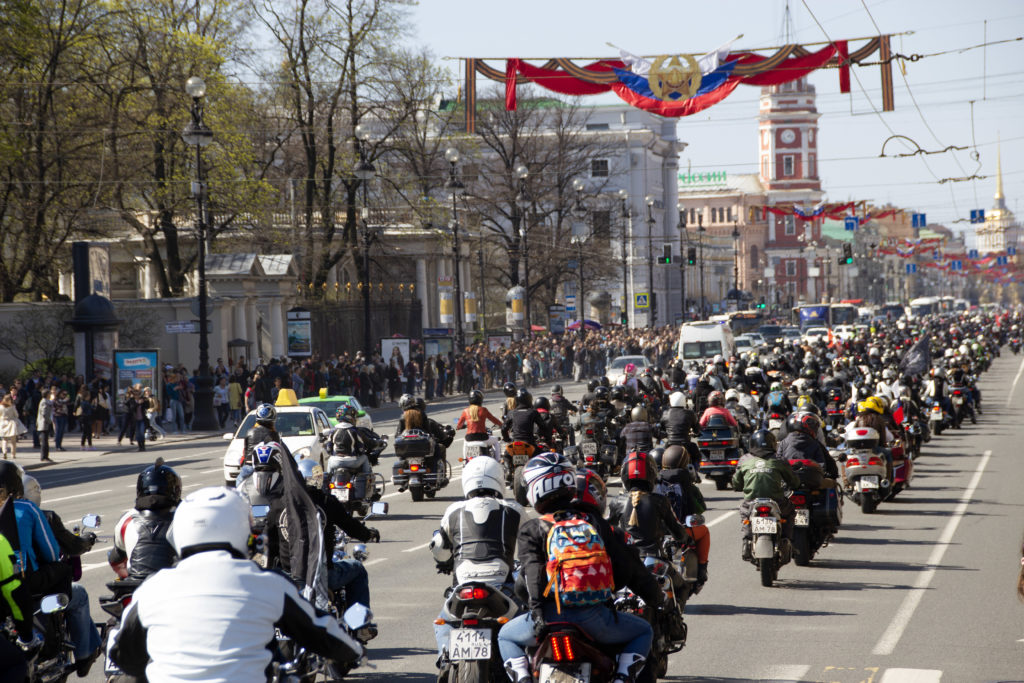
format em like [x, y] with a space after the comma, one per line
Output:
[483, 297]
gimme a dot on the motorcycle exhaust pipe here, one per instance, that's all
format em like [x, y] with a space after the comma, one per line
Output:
[884, 484]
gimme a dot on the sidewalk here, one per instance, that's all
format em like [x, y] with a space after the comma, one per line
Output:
[103, 445]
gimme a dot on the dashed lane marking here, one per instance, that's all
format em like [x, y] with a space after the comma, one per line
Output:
[1013, 387]
[48, 501]
[419, 547]
[911, 676]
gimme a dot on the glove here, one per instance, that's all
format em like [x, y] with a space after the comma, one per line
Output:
[539, 625]
[90, 538]
[374, 535]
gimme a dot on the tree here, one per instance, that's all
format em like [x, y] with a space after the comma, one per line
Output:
[40, 335]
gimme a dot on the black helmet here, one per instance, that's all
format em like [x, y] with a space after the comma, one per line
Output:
[406, 401]
[617, 393]
[10, 479]
[421, 404]
[657, 454]
[524, 399]
[557, 390]
[763, 442]
[509, 389]
[592, 384]
[159, 480]
[605, 382]
[656, 370]
[542, 403]
[476, 398]
[601, 393]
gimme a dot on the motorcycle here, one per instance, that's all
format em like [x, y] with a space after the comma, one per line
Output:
[719, 451]
[53, 659]
[959, 396]
[594, 450]
[513, 459]
[416, 468]
[1015, 345]
[475, 611]
[489, 447]
[818, 511]
[864, 469]
[834, 413]
[914, 437]
[566, 654]
[775, 420]
[902, 470]
[115, 604]
[765, 521]
[937, 418]
[355, 489]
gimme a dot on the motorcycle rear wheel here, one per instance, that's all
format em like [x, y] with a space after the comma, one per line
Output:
[767, 567]
[471, 671]
[519, 487]
[417, 493]
[721, 484]
[867, 504]
[801, 547]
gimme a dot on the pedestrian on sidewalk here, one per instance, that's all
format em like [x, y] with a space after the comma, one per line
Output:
[44, 423]
[127, 415]
[60, 419]
[152, 407]
[222, 400]
[84, 410]
[10, 426]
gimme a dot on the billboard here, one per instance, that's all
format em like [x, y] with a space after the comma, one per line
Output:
[135, 367]
[300, 333]
[397, 349]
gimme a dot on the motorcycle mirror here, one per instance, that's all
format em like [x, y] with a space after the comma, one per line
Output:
[378, 509]
[694, 520]
[228, 437]
[357, 616]
[260, 511]
[91, 521]
[53, 603]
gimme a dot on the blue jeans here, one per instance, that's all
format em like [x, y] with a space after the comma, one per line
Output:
[60, 425]
[603, 624]
[350, 575]
[178, 411]
[80, 627]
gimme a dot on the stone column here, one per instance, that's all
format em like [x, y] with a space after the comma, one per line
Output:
[277, 341]
[239, 330]
[251, 316]
[421, 291]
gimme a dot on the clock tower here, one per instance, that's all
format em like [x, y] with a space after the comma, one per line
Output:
[788, 144]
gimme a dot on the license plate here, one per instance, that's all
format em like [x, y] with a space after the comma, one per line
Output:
[341, 494]
[717, 454]
[518, 460]
[581, 674]
[802, 518]
[469, 643]
[589, 448]
[774, 424]
[763, 525]
[869, 482]
[958, 401]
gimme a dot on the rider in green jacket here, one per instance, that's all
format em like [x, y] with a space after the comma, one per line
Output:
[763, 476]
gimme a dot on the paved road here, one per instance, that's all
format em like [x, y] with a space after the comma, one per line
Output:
[921, 591]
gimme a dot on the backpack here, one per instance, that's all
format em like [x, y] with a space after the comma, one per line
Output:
[775, 398]
[578, 567]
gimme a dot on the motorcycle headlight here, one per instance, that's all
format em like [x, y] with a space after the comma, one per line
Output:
[302, 453]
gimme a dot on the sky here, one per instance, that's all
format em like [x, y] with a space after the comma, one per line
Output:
[852, 127]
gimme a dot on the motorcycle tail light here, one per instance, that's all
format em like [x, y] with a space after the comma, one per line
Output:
[348, 485]
[125, 601]
[764, 510]
[875, 461]
[733, 462]
[473, 593]
[853, 462]
[469, 622]
[561, 648]
[797, 500]
[956, 393]
[590, 432]
[414, 468]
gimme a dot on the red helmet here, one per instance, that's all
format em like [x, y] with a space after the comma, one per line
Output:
[591, 491]
[637, 469]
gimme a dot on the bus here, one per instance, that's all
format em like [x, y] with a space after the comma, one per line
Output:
[925, 305]
[824, 315]
[843, 314]
[891, 310]
[742, 322]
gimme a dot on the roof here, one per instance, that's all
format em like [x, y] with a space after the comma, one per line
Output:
[276, 264]
[237, 265]
[836, 230]
[719, 182]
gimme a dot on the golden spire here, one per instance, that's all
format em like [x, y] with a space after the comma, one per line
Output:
[999, 175]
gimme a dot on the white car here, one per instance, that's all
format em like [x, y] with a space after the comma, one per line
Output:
[304, 430]
[844, 332]
[618, 367]
[753, 341]
[814, 334]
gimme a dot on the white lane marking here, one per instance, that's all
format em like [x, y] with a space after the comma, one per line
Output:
[80, 495]
[97, 550]
[374, 561]
[887, 643]
[715, 521]
[911, 676]
[1013, 387]
[94, 565]
[784, 672]
[419, 547]
[391, 495]
[216, 469]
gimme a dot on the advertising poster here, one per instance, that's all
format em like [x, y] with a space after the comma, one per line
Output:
[446, 300]
[300, 333]
[556, 319]
[395, 349]
[469, 306]
[438, 346]
[135, 367]
[495, 342]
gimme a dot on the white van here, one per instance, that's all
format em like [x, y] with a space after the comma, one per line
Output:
[705, 340]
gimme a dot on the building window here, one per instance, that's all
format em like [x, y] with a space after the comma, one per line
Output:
[597, 126]
[755, 257]
[598, 168]
[790, 222]
[730, 217]
[692, 218]
[787, 165]
[810, 135]
[791, 268]
[601, 224]
[812, 163]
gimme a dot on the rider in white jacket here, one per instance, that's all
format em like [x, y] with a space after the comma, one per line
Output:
[210, 617]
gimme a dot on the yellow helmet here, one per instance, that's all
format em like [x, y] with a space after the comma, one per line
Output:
[803, 400]
[871, 404]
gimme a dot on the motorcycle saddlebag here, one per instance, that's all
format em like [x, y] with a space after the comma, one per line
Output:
[810, 477]
[414, 444]
[826, 511]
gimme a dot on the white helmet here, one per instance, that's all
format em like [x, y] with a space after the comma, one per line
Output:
[873, 351]
[732, 395]
[440, 546]
[33, 491]
[963, 349]
[677, 399]
[212, 518]
[888, 373]
[483, 474]
[949, 353]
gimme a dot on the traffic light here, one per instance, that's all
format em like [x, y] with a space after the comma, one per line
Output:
[761, 304]
[691, 256]
[847, 257]
[666, 254]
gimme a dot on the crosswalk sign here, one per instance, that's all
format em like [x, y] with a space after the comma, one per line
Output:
[642, 300]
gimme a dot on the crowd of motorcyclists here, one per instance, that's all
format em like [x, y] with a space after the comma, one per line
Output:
[781, 424]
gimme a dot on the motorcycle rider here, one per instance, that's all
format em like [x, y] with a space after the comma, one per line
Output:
[521, 423]
[16, 597]
[162, 634]
[141, 547]
[737, 410]
[589, 395]
[676, 483]
[474, 418]
[264, 430]
[762, 476]
[509, 389]
[716, 408]
[348, 441]
[543, 406]
[414, 416]
[561, 409]
[679, 423]
[777, 401]
[639, 434]
[80, 625]
[476, 540]
[937, 390]
[551, 487]
[801, 443]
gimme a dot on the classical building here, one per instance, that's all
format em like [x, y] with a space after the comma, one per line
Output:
[1000, 228]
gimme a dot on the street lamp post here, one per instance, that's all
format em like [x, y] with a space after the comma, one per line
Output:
[365, 172]
[651, 221]
[580, 211]
[198, 135]
[736, 262]
[522, 202]
[700, 245]
[626, 247]
[682, 259]
[456, 188]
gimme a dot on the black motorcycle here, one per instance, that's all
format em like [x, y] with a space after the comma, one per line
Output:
[719, 445]
[817, 513]
[420, 468]
[347, 482]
